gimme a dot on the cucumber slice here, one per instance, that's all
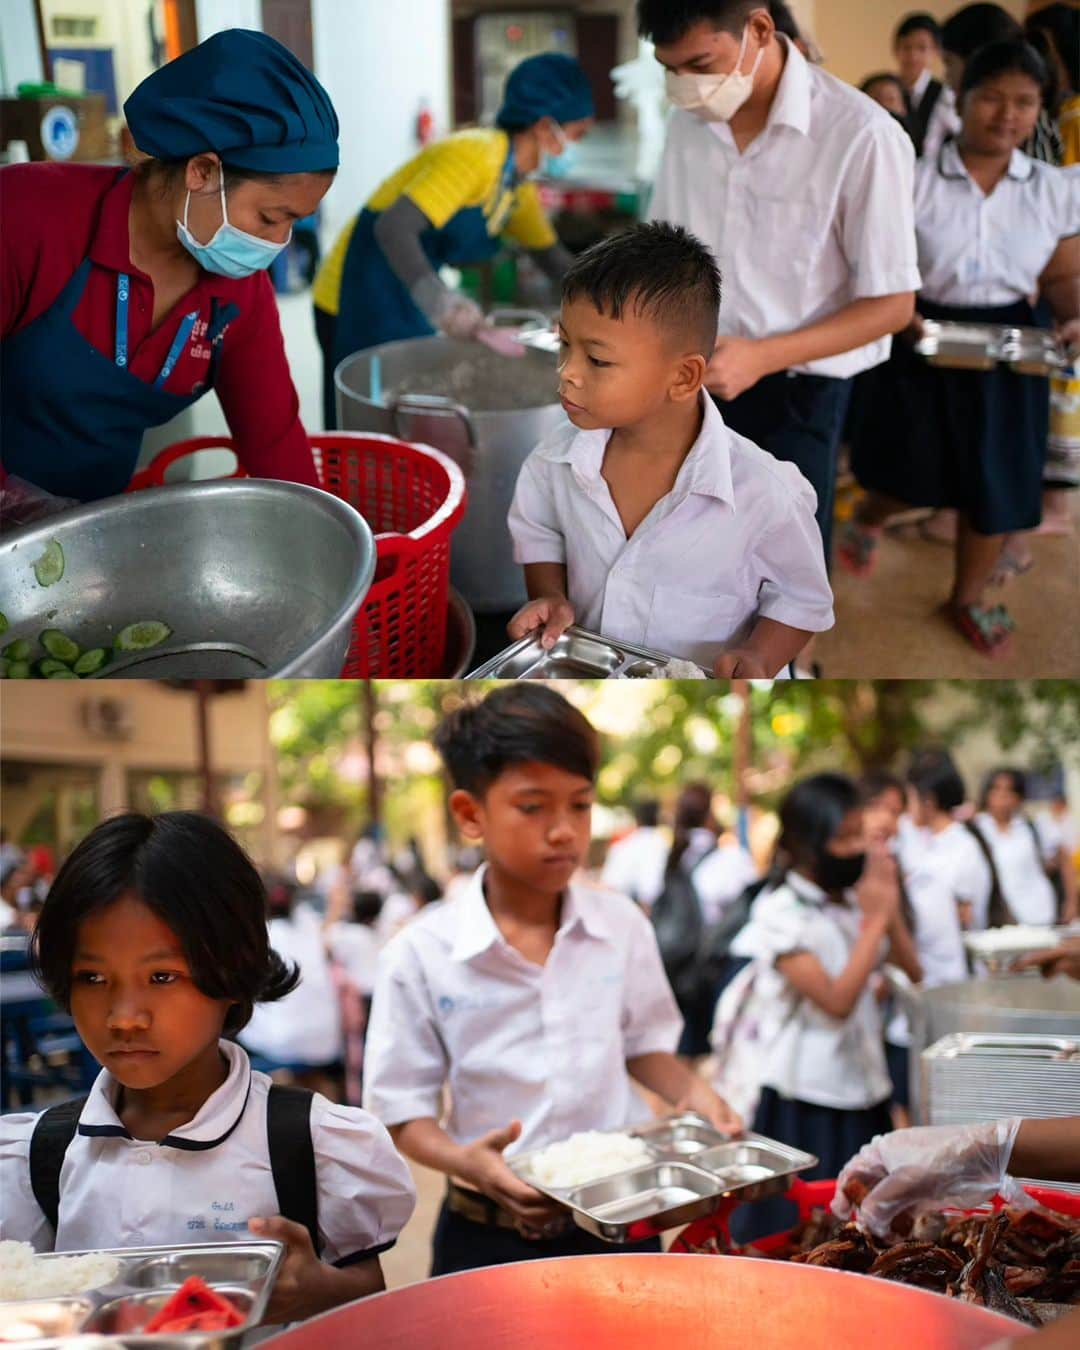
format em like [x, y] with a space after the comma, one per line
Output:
[19, 670]
[4, 665]
[19, 650]
[3, 624]
[60, 646]
[49, 665]
[49, 568]
[136, 637]
[91, 662]
[62, 674]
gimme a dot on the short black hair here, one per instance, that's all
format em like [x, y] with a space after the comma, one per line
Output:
[366, 906]
[975, 26]
[526, 723]
[647, 813]
[882, 77]
[918, 23]
[661, 272]
[1002, 58]
[876, 782]
[666, 21]
[785, 21]
[197, 879]
[1055, 30]
[1017, 781]
[810, 815]
[934, 775]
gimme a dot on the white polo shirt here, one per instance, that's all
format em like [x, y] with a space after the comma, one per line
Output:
[733, 541]
[802, 1051]
[953, 860]
[635, 865]
[815, 214]
[1019, 862]
[456, 1005]
[979, 250]
[204, 1181]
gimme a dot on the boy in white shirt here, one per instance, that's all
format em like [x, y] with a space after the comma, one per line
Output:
[647, 519]
[535, 1000]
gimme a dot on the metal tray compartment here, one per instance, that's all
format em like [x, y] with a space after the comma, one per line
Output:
[997, 958]
[695, 1170]
[1031, 351]
[578, 654]
[243, 1271]
[959, 346]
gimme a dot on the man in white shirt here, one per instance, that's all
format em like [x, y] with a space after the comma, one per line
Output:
[803, 188]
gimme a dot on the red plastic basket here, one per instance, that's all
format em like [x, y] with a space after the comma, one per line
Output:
[811, 1195]
[413, 497]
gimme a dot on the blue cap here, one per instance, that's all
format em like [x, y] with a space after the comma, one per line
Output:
[243, 95]
[545, 86]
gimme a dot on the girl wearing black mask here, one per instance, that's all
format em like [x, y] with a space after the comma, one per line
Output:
[829, 918]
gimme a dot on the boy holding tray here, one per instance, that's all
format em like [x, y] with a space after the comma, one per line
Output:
[534, 999]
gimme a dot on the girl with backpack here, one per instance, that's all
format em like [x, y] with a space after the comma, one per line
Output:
[153, 936]
[803, 1018]
[1013, 842]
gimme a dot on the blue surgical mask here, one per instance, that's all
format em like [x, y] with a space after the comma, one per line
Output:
[231, 252]
[562, 164]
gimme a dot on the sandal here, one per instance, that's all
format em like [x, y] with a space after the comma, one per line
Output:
[1010, 566]
[856, 548]
[921, 530]
[988, 630]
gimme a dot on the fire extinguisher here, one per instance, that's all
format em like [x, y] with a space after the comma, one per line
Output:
[425, 124]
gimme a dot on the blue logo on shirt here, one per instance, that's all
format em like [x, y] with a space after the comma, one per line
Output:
[446, 1004]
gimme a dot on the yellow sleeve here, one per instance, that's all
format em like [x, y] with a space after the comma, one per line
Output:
[1070, 131]
[326, 290]
[445, 178]
[528, 223]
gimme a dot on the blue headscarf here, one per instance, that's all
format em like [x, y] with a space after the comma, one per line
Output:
[545, 86]
[243, 95]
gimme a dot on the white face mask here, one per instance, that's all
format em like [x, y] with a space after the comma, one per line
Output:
[715, 98]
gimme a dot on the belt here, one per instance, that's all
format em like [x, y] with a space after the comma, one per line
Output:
[477, 1208]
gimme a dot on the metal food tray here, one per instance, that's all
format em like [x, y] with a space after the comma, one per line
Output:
[578, 655]
[962, 346]
[694, 1170]
[243, 1271]
[998, 959]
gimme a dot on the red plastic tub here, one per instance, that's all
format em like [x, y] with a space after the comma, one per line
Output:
[413, 497]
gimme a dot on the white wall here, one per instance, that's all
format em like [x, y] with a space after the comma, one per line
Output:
[20, 55]
[378, 59]
[211, 16]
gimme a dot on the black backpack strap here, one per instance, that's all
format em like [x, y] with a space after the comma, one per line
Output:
[53, 1132]
[999, 914]
[292, 1156]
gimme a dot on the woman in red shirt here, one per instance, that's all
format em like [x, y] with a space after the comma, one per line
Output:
[125, 295]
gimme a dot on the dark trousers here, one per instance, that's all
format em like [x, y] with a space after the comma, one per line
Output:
[800, 419]
[461, 1244]
[325, 328]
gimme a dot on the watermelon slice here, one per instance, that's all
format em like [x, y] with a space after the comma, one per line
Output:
[192, 1301]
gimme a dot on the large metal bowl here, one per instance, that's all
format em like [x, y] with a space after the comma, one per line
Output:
[618, 1302]
[255, 578]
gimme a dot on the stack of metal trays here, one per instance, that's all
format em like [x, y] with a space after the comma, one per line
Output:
[968, 1078]
[998, 948]
[693, 1171]
[244, 1272]
[578, 655]
[976, 346]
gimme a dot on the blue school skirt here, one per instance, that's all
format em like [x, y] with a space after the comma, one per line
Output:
[967, 439]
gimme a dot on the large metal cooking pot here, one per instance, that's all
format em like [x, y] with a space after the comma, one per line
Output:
[255, 578]
[486, 411]
[624, 1302]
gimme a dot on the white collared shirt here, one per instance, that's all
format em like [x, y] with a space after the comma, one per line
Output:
[983, 251]
[635, 865]
[305, 1026]
[1018, 859]
[733, 541]
[803, 1052]
[815, 215]
[953, 860]
[456, 1005]
[721, 877]
[204, 1181]
[944, 123]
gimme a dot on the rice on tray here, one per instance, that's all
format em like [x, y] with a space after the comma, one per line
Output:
[23, 1274]
[586, 1157]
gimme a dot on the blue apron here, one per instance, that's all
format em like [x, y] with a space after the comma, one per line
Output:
[75, 426]
[375, 307]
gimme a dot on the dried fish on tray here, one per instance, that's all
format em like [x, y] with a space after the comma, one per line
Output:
[229, 1283]
[692, 1171]
[580, 655]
